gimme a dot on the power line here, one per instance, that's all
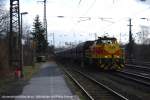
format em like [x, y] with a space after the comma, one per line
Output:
[79, 2]
[90, 7]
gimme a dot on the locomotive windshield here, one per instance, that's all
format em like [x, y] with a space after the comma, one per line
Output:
[106, 41]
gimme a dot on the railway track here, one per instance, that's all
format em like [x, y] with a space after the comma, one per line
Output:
[146, 63]
[93, 89]
[140, 70]
[138, 67]
[134, 77]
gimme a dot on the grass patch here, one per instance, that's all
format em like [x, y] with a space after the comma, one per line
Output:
[28, 71]
[5, 85]
[6, 80]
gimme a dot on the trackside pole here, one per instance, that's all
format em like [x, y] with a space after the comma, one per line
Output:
[82, 64]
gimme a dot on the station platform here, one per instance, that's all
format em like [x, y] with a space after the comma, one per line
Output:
[47, 84]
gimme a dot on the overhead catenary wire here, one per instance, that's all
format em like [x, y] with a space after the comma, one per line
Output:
[79, 2]
[121, 19]
[92, 4]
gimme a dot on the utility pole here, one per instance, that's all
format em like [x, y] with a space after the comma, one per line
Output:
[54, 40]
[120, 38]
[95, 36]
[130, 44]
[130, 31]
[45, 23]
[14, 35]
[21, 48]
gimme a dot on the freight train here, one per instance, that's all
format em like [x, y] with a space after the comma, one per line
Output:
[105, 53]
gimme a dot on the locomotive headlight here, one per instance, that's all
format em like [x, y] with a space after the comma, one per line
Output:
[117, 56]
[106, 56]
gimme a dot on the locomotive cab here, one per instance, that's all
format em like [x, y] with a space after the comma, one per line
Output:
[107, 54]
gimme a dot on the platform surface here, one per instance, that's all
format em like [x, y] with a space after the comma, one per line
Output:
[48, 84]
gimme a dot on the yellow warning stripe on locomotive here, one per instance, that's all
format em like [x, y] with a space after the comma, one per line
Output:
[105, 56]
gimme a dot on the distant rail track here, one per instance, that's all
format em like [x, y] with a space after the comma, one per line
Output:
[93, 89]
[133, 61]
[138, 67]
[134, 77]
[140, 70]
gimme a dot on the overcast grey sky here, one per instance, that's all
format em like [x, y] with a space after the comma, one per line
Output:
[104, 16]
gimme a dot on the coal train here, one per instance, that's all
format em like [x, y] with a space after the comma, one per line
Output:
[104, 53]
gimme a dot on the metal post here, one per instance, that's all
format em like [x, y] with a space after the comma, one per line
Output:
[45, 25]
[130, 45]
[120, 38]
[95, 36]
[54, 40]
[21, 48]
[14, 35]
[130, 31]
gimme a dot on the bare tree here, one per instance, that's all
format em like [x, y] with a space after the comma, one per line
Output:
[4, 22]
[4, 29]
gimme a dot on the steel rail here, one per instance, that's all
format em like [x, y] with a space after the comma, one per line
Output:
[139, 67]
[134, 77]
[146, 62]
[78, 84]
[104, 86]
